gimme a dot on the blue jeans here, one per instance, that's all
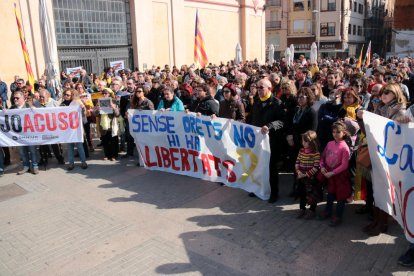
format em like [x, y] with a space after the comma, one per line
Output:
[24, 156]
[1, 160]
[71, 152]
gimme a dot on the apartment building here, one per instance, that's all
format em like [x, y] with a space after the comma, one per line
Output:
[276, 25]
[301, 32]
[340, 33]
[354, 28]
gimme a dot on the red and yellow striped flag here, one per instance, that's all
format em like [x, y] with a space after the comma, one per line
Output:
[24, 48]
[359, 63]
[200, 56]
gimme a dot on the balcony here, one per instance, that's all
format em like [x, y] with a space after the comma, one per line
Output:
[274, 3]
[273, 25]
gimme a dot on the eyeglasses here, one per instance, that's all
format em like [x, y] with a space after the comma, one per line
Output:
[139, 91]
[42, 97]
[226, 91]
[261, 87]
[67, 95]
[375, 101]
[302, 97]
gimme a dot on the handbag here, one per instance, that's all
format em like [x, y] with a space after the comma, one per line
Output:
[363, 158]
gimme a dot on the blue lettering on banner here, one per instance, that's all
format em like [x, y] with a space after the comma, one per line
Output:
[202, 127]
[174, 141]
[192, 142]
[406, 160]
[242, 135]
[152, 123]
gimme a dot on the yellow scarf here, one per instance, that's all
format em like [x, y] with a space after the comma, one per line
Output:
[265, 98]
[351, 110]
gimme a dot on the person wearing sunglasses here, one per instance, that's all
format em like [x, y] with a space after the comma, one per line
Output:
[268, 114]
[231, 107]
[71, 98]
[27, 154]
[392, 106]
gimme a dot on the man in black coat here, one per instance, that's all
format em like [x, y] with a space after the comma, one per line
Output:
[268, 114]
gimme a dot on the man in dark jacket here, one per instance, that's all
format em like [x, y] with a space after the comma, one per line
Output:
[267, 114]
[205, 103]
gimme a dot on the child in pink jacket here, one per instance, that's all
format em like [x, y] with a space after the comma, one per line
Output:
[334, 166]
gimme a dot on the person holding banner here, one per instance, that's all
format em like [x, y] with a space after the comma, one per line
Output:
[230, 107]
[205, 103]
[170, 102]
[71, 97]
[45, 100]
[27, 153]
[268, 114]
[393, 106]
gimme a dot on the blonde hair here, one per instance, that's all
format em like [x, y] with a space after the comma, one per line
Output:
[290, 85]
[396, 90]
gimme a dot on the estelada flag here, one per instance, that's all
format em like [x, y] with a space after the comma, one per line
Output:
[24, 48]
[360, 58]
[368, 55]
[200, 56]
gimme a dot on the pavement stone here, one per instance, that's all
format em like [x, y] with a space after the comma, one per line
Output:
[118, 219]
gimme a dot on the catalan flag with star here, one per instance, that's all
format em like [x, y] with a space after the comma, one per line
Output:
[24, 48]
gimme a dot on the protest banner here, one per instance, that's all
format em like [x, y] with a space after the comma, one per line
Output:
[117, 65]
[391, 150]
[218, 150]
[40, 126]
[75, 71]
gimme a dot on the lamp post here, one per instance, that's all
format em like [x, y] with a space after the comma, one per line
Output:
[318, 23]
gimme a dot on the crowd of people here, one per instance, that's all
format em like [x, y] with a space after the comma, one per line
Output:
[312, 112]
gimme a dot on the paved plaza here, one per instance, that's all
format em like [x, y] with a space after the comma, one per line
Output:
[118, 219]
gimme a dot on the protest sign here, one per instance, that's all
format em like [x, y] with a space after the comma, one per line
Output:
[391, 150]
[105, 106]
[75, 71]
[117, 65]
[40, 126]
[218, 150]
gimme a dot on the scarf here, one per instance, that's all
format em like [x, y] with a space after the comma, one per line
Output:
[351, 110]
[105, 122]
[265, 98]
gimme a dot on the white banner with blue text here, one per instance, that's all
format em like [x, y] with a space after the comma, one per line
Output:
[391, 150]
[218, 150]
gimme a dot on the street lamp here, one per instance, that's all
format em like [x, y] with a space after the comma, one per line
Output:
[318, 23]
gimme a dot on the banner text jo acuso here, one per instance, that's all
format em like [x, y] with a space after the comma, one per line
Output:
[40, 126]
[217, 149]
[391, 148]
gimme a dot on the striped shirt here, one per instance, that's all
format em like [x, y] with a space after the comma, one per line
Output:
[308, 162]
